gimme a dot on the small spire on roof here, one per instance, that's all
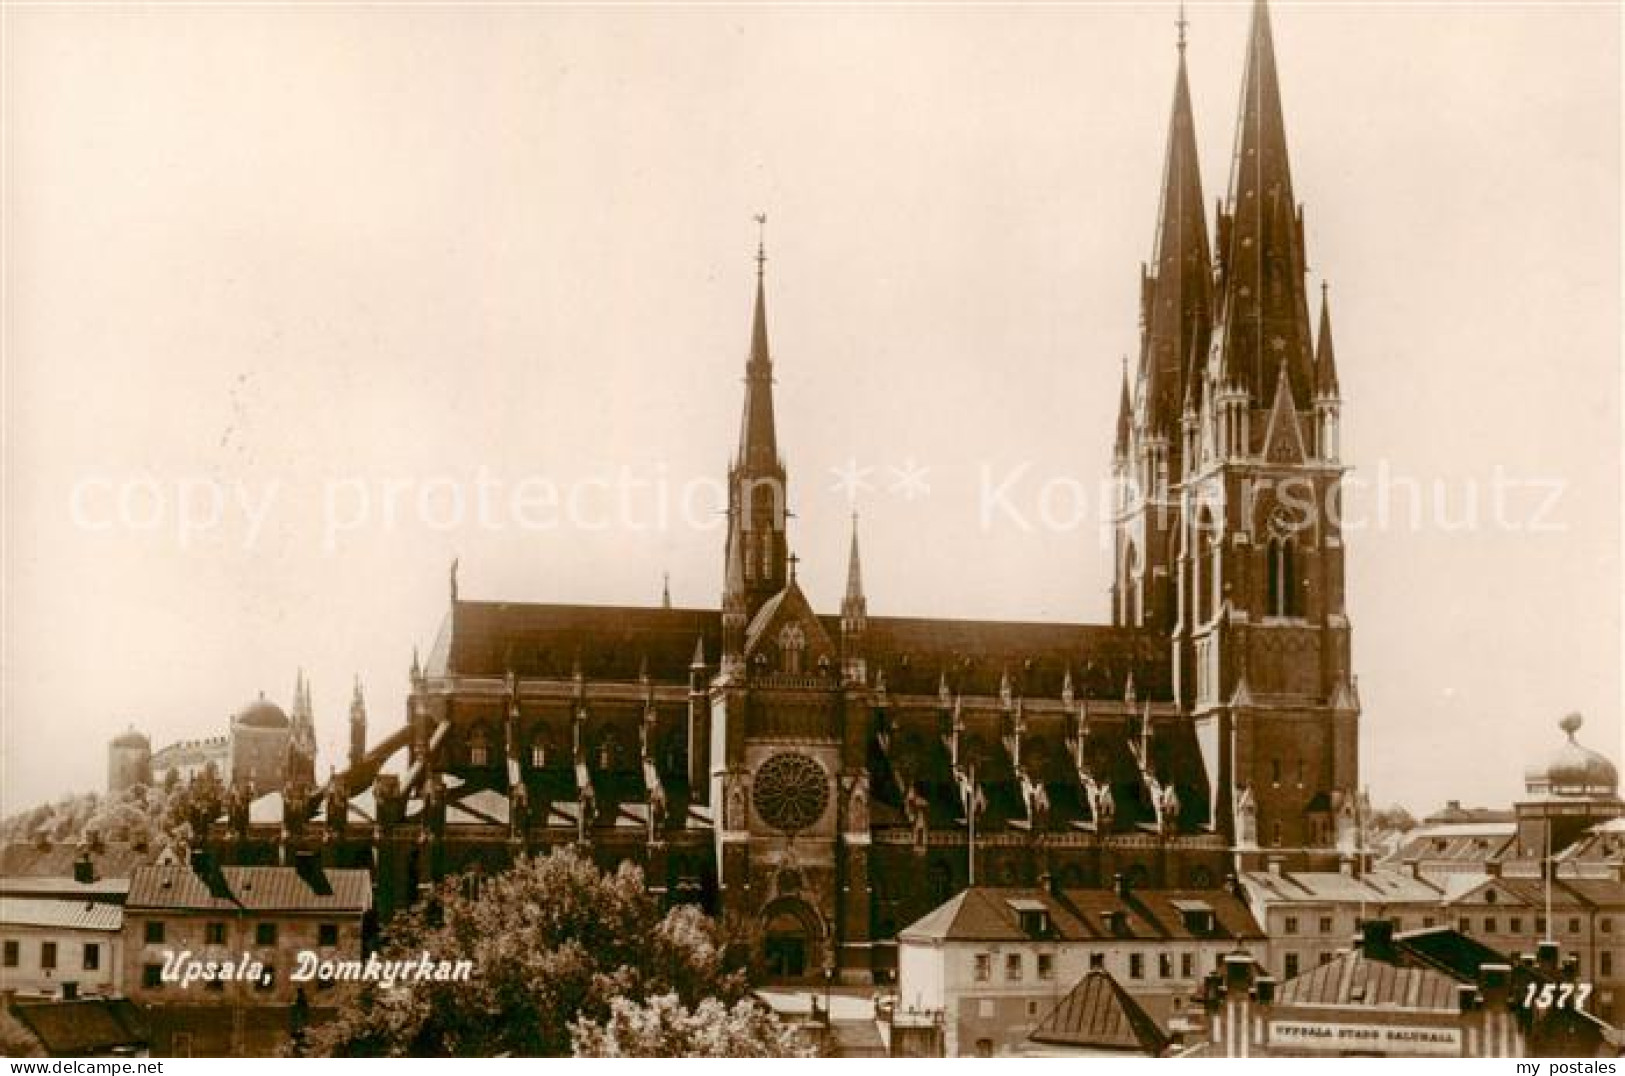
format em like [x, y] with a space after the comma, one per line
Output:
[665, 590]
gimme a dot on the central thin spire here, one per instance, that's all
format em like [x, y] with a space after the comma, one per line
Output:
[758, 441]
[758, 552]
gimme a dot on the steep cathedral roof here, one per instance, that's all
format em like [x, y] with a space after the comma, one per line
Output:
[915, 653]
[1263, 314]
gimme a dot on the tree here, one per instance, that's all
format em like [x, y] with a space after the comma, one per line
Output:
[553, 942]
[663, 1027]
[1393, 818]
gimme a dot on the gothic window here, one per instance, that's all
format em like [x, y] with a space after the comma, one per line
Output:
[479, 749]
[792, 645]
[767, 557]
[1282, 554]
[748, 555]
[1205, 574]
[1131, 585]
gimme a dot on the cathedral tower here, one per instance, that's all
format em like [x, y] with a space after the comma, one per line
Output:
[757, 549]
[1176, 298]
[1261, 643]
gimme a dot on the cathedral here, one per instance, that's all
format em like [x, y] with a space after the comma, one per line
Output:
[821, 778]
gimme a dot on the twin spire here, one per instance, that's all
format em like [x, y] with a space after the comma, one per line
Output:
[1242, 321]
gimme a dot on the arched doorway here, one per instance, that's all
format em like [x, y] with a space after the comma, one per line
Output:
[791, 937]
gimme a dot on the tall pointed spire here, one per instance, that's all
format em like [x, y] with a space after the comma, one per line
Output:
[1125, 417]
[1263, 311]
[854, 606]
[757, 490]
[1178, 287]
[758, 441]
[1325, 361]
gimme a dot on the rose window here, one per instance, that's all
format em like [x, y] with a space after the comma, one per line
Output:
[791, 791]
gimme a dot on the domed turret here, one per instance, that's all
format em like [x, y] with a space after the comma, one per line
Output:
[261, 713]
[131, 737]
[1573, 769]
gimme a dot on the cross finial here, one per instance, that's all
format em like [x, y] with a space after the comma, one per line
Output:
[1181, 23]
[794, 560]
[761, 243]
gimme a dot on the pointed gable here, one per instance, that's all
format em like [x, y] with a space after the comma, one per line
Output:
[1283, 437]
[786, 624]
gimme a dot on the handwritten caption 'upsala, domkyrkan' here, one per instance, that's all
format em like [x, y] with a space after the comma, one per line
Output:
[185, 969]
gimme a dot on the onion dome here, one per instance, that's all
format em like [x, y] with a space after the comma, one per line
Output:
[131, 738]
[261, 713]
[1576, 769]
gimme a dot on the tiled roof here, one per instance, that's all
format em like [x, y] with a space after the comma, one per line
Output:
[263, 889]
[83, 1027]
[991, 914]
[1334, 887]
[60, 914]
[1099, 1013]
[23, 859]
[112, 890]
[1353, 979]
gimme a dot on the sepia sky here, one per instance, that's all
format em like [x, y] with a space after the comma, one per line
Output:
[342, 266]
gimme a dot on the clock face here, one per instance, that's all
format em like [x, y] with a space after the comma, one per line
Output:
[791, 791]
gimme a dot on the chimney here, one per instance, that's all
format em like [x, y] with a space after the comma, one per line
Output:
[1571, 968]
[309, 867]
[1494, 982]
[1413, 867]
[1238, 972]
[1275, 863]
[1492, 868]
[84, 871]
[1377, 939]
[1233, 886]
[1546, 954]
[1452, 805]
[1264, 990]
[1120, 884]
[1466, 997]
[1345, 866]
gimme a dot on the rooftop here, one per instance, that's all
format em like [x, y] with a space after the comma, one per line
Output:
[261, 889]
[993, 914]
[60, 914]
[1099, 1014]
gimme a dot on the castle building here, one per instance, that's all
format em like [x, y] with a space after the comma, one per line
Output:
[262, 748]
[129, 761]
[822, 778]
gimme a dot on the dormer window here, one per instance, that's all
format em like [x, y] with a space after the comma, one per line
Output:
[1196, 915]
[1033, 916]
